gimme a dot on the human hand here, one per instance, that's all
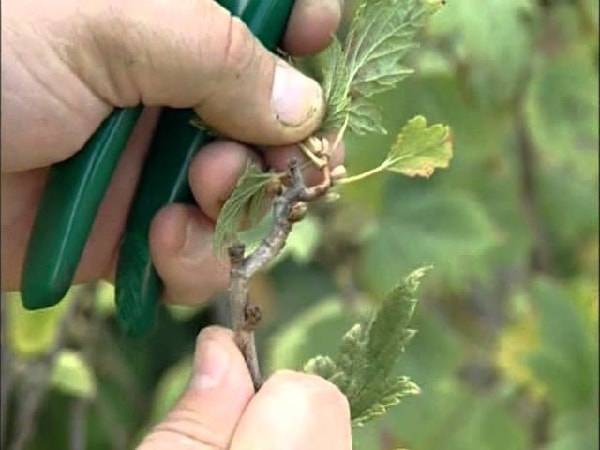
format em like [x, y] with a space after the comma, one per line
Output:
[219, 410]
[66, 66]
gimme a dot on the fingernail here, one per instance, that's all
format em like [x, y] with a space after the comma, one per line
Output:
[296, 98]
[213, 364]
[196, 238]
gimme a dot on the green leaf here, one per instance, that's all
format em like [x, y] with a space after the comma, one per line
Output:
[332, 71]
[363, 367]
[392, 393]
[420, 149]
[448, 229]
[72, 375]
[566, 362]
[561, 109]
[491, 41]
[369, 61]
[244, 207]
[380, 36]
[450, 416]
[365, 117]
[324, 366]
[572, 430]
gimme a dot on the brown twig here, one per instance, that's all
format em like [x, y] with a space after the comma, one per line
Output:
[289, 207]
[78, 423]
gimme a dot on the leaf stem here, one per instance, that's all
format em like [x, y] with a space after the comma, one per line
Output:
[310, 155]
[341, 133]
[362, 176]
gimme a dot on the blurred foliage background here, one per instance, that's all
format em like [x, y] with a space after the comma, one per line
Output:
[507, 349]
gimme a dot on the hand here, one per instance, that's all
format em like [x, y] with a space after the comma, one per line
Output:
[65, 67]
[219, 410]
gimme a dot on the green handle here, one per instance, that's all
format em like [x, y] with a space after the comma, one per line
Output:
[68, 208]
[164, 180]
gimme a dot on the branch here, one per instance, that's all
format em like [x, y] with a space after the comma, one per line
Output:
[78, 423]
[289, 207]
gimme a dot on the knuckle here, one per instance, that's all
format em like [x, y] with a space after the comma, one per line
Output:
[239, 51]
[211, 332]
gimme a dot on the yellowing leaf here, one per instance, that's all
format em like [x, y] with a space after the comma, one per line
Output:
[245, 206]
[31, 333]
[420, 149]
[72, 375]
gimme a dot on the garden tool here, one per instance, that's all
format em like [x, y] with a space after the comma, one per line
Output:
[76, 187]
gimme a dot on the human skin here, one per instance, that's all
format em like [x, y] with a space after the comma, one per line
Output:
[64, 68]
[219, 410]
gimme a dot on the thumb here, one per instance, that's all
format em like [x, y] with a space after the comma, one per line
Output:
[195, 54]
[209, 410]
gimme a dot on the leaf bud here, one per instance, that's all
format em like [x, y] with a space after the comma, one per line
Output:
[332, 197]
[339, 172]
[298, 212]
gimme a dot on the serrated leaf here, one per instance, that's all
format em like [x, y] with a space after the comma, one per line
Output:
[363, 367]
[324, 366]
[245, 206]
[381, 34]
[420, 149]
[386, 338]
[72, 375]
[395, 390]
[365, 117]
[332, 71]
[369, 61]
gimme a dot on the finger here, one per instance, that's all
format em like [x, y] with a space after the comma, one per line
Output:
[278, 158]
[214, 173]
[182, 252]
[195, 55]
[312, 25]
[219, 390]
[291, 410]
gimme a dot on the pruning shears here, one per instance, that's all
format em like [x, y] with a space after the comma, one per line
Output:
[76, 187]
